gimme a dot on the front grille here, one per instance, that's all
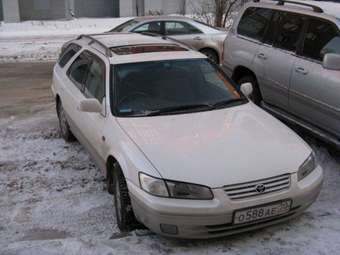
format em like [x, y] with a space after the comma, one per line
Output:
[258, 187]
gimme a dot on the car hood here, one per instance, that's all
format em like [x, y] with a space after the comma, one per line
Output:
[217, 148]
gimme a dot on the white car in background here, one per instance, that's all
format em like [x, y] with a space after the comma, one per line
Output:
[200, 36]
[184, 152]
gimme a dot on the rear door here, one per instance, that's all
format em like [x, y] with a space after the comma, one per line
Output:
[184, 32]
[314, 90]
[276, 57]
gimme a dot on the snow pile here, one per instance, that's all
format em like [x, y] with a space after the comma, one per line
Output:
[52, 202]
[42, 40]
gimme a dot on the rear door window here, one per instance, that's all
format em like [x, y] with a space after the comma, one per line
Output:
[78, 70]
[319, 39]
[254, 23]
[180, 28]
[289, 31]
[95, 80]
[68, 53]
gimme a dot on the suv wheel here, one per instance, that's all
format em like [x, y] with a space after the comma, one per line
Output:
[256, 95]
[64, 127]
[211, 55]
[126, 220]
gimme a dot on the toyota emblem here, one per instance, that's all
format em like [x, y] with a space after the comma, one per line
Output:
[260, 188]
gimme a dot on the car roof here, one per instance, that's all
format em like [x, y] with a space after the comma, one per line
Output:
[205, 28]
[331, 10]
[162, 17]
[106, 43]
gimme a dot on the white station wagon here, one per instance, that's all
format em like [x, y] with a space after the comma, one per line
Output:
[184, 152]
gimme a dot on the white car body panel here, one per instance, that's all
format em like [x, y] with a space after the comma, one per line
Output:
[218, 148]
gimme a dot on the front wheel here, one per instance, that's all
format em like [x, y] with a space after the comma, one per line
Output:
[126, 220]
[256, 95]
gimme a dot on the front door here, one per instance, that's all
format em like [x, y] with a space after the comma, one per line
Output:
[314, 90]
[276, 57]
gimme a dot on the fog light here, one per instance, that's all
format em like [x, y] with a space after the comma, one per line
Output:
[169, 229]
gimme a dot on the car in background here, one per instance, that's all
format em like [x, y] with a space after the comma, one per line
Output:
[185, 153]
[290, 52]
[195, 34]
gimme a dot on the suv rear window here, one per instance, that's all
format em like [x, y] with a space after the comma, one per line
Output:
[254, 22]
[68, 53]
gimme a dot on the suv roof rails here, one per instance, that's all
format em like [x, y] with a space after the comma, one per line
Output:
[282, 2]
[93, 40]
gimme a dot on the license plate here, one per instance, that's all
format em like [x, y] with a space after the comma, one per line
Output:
[262, 212]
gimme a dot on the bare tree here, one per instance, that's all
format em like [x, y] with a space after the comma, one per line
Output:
[222, 11]
[215, 12]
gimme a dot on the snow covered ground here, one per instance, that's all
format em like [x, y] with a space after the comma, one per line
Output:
[52, 202]
[42, 40]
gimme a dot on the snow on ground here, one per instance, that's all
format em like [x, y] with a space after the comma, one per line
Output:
[42, 40]
[52, 201]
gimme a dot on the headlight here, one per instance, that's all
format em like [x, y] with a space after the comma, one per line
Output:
[174, 189]
[153, 185]
[307, 167]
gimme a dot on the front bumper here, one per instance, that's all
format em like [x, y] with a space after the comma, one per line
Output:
[197, 219]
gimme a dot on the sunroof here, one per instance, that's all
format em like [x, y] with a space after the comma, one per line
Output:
[146, 48]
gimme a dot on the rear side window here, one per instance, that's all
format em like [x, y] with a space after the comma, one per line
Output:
[254, 22]
[180, 28]
[78, 70]
[318, 38]
[95, 81]
[68, 53]
[289, 31]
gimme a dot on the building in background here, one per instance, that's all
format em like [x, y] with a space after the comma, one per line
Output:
[21, 10]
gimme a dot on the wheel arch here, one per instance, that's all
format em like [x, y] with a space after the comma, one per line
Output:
[213, 50]
[241, 71]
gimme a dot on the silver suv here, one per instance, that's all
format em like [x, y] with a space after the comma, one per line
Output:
[290, 52]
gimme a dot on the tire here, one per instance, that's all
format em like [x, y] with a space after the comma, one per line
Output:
[256, 95]
[64, 127]
[126, 219]
[212, 55]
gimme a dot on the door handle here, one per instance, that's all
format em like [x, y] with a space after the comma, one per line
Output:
[261, 56]
[197, 38]
[301, 70]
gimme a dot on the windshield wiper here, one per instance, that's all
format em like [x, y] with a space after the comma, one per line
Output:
[181, 108]
[230, 102]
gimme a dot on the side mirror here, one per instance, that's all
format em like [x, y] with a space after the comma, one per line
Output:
[331, 61]
[247, 89]
[90, 105]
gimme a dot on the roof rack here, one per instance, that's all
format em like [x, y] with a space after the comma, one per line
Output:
[282, 2]
[93, 40]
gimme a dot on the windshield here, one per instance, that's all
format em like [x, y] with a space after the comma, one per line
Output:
[125, 27]
[171, 87]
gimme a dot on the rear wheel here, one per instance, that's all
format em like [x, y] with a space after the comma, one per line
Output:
[211, 54]
[126, 220]
[256, 95]
[64, 127]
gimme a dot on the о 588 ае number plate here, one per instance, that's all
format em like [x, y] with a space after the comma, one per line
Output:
[262, 212]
